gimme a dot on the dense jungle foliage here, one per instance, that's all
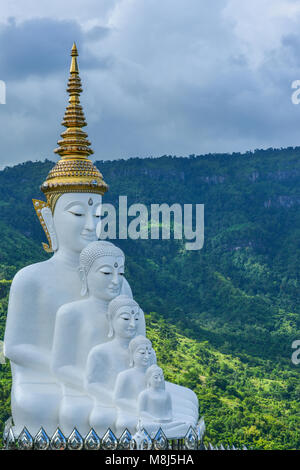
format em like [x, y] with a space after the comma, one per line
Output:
[222, 318]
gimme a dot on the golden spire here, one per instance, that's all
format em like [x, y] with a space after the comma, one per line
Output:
[74, 172]
[74, 142]
[74, 54]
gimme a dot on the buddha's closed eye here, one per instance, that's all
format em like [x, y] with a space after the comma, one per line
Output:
[125, 317]
[76, 213]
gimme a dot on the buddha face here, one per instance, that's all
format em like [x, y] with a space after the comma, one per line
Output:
[125, 321]
[75, 218]
[105, 277]
[142, 355]
[156, 380]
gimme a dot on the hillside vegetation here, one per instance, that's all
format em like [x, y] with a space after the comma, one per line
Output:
[223, 318]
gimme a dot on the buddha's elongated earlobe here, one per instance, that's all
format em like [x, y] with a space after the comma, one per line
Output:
[153, 357]
[110, 331]
[84, 285]
[46, 219]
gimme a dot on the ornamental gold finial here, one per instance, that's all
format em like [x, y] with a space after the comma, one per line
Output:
[74, 54]
[74, 141]
[74, 172]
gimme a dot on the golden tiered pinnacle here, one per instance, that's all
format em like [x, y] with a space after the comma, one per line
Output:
[74, 141]
[74, 172]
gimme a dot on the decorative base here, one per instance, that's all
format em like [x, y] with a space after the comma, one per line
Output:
[140, 441]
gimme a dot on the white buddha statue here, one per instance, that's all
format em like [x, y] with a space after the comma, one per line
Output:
[82, 325]
[154, 406]
[131, 382]
[74, 189]
[107, 359]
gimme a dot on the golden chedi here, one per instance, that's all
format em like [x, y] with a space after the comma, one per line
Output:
[74, 172]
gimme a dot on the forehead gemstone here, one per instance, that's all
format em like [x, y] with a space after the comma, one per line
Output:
[90, 202]
[116, 265]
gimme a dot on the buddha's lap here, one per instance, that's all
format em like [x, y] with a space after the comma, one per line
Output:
[165, 426]
[31, 394]
[35, 406]
[126, 419]
[183, 392]
[184, 406]
[101, 415]
[70, 403]
[74, 412]
[191, 420]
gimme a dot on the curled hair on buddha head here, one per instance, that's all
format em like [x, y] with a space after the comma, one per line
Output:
[135, 343]
[95, 250]
[151, 371]
[113, 307]
[90, 253]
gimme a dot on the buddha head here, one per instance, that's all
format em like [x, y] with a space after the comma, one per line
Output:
[140, 352]
[155, 378]
[123, 317]
[101, 269]
[74, 186]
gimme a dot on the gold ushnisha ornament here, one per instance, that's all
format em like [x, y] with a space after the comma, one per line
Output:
[74, 172]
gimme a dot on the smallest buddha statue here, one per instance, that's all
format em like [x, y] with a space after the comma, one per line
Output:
[155, 406]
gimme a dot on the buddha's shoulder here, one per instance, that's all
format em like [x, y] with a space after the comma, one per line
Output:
[103, 349]
[127, 373]
[144, 393]
[77, 307]
[32, 275]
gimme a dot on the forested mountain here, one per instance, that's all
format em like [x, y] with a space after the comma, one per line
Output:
[229, 312]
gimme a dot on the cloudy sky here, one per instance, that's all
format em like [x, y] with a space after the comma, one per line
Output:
[160, 76]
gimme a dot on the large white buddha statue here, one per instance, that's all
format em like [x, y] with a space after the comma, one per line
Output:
[84, 324]
[74, 189]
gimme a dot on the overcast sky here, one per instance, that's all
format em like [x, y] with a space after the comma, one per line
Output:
[159, 76]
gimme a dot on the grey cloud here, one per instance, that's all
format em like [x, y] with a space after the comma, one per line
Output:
[35, 47]
[168, 80]
[291, 45]
[98, 32]
[39, 47]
